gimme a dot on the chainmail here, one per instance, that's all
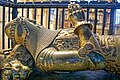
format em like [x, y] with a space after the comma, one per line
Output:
[39, 38]
[12, 30]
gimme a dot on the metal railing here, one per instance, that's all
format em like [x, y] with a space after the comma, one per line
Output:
[104, 5]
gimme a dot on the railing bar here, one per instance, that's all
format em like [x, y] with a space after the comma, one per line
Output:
[71, 25]
[41, 16]
[111, 21]
[3, 24]
[27, 12]
[35, 14]
[22, 11]
[95, 21]
[104, 21]
[8, 21]
[56, 22]
[65, 5]
[63, 14]
[88, 10]
[49, 18]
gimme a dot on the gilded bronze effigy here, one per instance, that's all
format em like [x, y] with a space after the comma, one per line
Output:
[65, 50]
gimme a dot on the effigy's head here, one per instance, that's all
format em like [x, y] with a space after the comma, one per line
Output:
[16, 30]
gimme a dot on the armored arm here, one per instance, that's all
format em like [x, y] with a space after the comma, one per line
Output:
[83, 29]
[68, 61]
[88, 57]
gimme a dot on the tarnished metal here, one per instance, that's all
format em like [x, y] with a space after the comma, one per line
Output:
[45, 38]
[32, 43]
[67, 61]
[111, 49]
[82, 27]
[68, 34]
[18, 63]
[66, 50]
[15, 69]
[66, 40]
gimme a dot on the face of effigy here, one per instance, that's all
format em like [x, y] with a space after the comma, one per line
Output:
[15, 30]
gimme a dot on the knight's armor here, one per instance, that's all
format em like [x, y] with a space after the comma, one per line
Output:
[67, 56]
[41, 43]
[64, 50]
[64, 54]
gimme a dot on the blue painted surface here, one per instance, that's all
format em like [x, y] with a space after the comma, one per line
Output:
[80, 75]
[96, 57]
